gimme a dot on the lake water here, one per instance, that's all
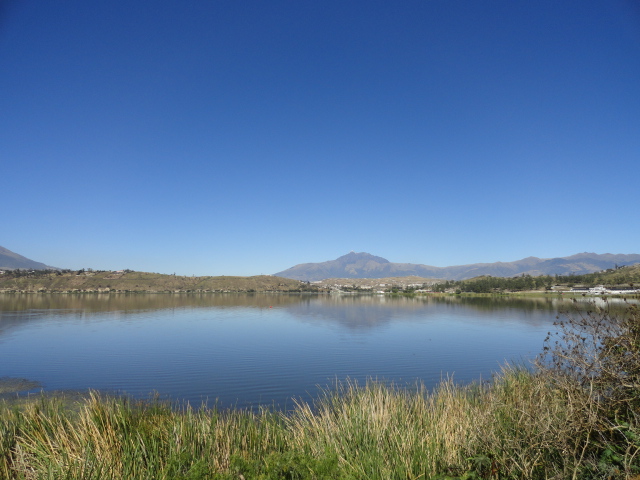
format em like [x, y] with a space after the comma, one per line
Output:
[259, 349]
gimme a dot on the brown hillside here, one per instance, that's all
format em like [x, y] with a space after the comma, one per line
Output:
[127, 281]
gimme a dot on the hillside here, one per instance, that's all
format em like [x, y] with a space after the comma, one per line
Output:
[128, 281]
[621, 278]
[10, 260]
[627, 275]
[365, 265]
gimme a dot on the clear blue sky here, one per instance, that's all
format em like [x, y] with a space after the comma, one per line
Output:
[244, 137]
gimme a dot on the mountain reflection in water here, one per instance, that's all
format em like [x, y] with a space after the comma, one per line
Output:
[259, 349]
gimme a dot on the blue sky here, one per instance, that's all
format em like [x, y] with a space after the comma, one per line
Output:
[244, 137]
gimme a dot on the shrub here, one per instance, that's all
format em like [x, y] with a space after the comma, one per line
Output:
[594, 361]
[599, 351]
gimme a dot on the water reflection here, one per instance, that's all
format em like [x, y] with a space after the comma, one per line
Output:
[252, 349]
[105, 302]
[354, 312]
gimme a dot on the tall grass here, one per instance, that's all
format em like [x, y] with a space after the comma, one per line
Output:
[513, 427]
[115, 438]
[524, 424]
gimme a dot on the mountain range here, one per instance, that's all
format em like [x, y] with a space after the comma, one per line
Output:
[12, 261]
[365, 265]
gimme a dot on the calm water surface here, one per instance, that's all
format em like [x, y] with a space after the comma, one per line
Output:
[250, 350]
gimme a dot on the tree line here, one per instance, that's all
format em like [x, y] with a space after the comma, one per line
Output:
[626, 276]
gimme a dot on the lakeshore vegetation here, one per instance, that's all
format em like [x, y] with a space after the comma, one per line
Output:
[626, 277]
[575, 414]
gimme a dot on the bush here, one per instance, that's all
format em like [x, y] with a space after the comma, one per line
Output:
[599, 351]
[594, 360]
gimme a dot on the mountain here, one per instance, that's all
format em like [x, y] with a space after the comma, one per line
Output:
[365, 265]
[11, 261]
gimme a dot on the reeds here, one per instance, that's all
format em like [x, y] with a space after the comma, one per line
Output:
[512, 427]
[116, 438]
[516, 426]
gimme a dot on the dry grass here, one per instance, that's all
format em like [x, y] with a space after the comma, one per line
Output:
[514, 427]
[146, 282]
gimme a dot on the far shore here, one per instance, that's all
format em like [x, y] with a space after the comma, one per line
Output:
[620, 282]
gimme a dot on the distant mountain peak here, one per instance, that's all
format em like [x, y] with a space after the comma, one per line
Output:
[355, 256]
[365, 265]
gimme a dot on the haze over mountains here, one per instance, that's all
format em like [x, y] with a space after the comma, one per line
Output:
[365, 265]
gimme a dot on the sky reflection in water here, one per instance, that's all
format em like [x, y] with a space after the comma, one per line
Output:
[247, 350]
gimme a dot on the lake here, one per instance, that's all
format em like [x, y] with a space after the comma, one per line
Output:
[248, 350]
